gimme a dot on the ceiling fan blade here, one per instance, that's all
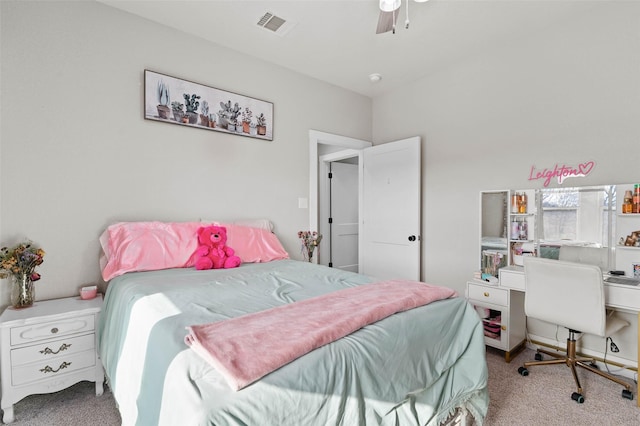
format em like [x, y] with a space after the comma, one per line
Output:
[386, 21]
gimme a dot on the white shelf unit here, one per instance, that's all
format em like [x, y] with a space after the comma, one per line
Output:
[528, 218]
[626, 224]
[502, 313]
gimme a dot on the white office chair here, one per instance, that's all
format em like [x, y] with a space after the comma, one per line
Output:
[571, 295]
[598, 256]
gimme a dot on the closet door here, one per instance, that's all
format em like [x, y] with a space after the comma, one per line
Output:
[390, 234]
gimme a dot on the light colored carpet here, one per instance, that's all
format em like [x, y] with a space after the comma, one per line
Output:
[542, 398]
[77, 405]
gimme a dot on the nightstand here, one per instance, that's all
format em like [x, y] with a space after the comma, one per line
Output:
[48, 347]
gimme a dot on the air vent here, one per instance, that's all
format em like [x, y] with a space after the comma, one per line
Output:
[275, 24]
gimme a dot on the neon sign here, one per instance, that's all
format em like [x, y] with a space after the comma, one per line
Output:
[561, 172]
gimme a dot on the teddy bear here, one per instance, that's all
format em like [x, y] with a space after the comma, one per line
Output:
[212, 252]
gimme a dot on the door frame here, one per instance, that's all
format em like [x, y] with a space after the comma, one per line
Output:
[317, 138]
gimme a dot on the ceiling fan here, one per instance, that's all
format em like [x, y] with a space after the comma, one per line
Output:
[389, 11]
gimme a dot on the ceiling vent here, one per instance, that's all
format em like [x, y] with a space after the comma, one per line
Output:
[275, 24]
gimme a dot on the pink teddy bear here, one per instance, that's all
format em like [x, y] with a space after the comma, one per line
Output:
[212, 253]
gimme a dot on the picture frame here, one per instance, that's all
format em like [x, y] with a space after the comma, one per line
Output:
[173, 100]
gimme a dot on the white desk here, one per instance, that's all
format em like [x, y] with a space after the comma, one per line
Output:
[622, 297]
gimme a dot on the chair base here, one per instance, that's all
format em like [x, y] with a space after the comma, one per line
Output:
[571, 360]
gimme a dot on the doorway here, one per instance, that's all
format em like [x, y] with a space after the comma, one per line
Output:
[389, 177]
[338, 214]
[331, 148]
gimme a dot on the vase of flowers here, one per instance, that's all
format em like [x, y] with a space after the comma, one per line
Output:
[19, 264]
[310, 240]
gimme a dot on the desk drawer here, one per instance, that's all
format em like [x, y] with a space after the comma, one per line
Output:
[512, 279]
[487, 294]
[47, 330]
[50, 350]
[53, 367]
[622, 296]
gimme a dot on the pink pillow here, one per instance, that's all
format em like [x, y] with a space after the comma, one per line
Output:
[147, 246]
[254, 245]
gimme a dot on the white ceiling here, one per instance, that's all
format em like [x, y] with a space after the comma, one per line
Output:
[335, 40]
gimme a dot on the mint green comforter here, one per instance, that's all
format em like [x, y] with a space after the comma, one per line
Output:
[412, 368]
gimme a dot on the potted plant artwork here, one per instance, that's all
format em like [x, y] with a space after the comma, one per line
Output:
[163, 100]
[191, 104]
[262, 124]
[178, 111]
[204, 114]
[247, 115]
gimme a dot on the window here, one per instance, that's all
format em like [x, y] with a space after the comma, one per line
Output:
[577, 215]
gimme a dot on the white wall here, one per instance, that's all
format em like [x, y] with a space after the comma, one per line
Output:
[76, 154]
[566, 95]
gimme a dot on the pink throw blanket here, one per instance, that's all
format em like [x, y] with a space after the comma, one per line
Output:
[246, 348]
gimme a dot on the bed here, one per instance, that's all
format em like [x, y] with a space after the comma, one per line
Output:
[424, 366]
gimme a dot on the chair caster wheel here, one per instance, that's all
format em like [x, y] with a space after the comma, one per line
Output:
[538, 357]
[577, 397]
[627, 394]
[523, 371]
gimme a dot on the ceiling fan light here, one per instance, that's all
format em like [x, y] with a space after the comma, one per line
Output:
[389, 5]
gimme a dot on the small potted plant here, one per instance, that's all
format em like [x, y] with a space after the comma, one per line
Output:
[204, 114]
[191, 104]
[231, 124]
[262, 124]
[163, 101]
[227, 112]
[178, 111]
[253, 128]
[247, 115]
[212, 120]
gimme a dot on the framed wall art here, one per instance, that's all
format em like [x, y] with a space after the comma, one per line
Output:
[185, 103]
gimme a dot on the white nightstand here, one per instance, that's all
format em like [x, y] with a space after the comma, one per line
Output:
[48, 347]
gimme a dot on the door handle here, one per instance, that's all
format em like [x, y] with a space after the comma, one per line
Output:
[412, 237]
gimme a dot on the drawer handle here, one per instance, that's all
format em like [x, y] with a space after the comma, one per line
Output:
[486, 294]
[48, 351]
[54, 330]
[48, 369]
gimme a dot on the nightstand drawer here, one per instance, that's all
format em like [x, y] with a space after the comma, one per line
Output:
[487, 294]
[50, 368]
[50, 350]
[47, 330]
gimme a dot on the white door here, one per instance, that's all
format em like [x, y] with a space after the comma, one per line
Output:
[390, 225]
[344, 215]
